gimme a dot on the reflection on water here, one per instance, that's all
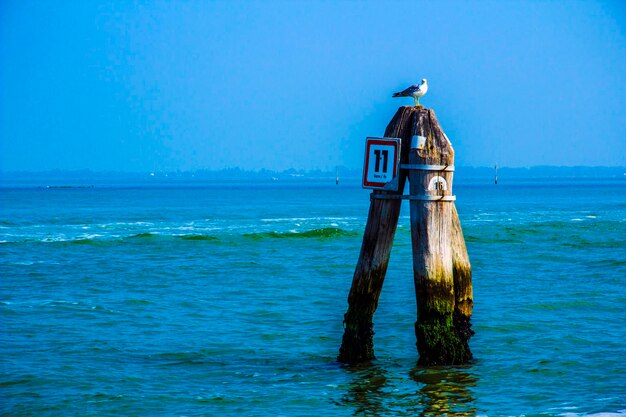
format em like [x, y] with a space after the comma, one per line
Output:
[438, 391]
[366, 392]
[445, 390]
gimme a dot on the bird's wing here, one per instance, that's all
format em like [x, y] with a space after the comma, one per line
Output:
[410, 90]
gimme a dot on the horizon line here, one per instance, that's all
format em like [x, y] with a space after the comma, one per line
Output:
[286, 170]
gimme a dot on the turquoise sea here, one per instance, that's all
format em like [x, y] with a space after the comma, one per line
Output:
[227, 299]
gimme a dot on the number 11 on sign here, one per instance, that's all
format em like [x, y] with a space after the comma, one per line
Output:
[381, 162]
[385, 153]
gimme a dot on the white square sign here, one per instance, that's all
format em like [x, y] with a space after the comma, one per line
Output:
[381, 162]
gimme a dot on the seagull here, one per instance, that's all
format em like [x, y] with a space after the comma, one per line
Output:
[415, 91]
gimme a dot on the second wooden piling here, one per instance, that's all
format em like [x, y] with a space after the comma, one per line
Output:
[358, 337]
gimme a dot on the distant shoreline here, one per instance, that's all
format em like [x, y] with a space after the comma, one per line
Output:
[294, 174]
[235, 177]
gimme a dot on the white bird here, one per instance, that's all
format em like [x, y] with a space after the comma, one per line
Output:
[415, 91]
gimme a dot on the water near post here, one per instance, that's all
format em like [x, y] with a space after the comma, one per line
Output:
[227, 299]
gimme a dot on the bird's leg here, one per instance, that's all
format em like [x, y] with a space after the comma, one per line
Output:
[416, 101]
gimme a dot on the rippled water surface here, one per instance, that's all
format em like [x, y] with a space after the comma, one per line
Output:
[229, 299]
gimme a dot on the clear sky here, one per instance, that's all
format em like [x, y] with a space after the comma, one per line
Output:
[166, 85]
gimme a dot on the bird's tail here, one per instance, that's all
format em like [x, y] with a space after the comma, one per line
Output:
[396, 95]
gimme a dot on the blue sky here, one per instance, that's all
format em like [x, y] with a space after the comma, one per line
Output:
[155, 85]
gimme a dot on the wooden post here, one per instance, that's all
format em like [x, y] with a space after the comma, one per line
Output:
[358, 343]
[442, 272]
[437, 252]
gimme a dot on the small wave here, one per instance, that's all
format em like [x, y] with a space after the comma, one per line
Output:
[137, 302]
[96, 240]
[83, 241]
[108, 239]
[74, 306]
[613, 262]
[199, 237]
[182, 358]
[89, 236]
[303, 219]
[113, 239]
[286, 219]
[324, 233]
[142, 235]
[619, 413]
[23, 263]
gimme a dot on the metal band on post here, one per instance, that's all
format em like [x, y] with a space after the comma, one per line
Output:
[448, 168]
[432, 197]
[412, 197]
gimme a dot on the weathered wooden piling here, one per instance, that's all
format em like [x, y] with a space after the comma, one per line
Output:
[435, 255]
[442, 272]
[358, 343]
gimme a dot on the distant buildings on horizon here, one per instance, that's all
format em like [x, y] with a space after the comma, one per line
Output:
[462, 173]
